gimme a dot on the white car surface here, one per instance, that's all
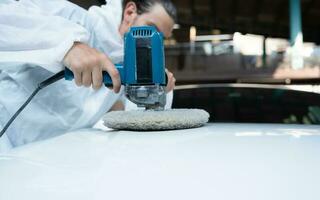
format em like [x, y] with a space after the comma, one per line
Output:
[216, 162]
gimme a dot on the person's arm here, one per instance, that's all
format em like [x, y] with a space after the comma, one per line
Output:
[52, 42]
[103, 22]
[169, 89]
[29, 37]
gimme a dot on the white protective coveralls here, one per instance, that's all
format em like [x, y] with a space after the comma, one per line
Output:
[35, 35]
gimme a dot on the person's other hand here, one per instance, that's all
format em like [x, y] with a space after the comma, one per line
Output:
[171, 81]
[87, 65]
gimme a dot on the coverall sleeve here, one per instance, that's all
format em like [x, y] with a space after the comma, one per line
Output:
[62, 8]
[28, 35]
[101, 21]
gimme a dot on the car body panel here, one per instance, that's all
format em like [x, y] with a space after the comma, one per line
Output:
[217, 161]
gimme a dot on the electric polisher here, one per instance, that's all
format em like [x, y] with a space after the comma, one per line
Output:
[143, 75]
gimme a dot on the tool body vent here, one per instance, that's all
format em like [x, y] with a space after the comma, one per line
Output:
[142, 33]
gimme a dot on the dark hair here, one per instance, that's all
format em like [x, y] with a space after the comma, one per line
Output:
[144, 6]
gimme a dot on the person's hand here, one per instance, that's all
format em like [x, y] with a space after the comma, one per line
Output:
[87, 65]
[171, 81]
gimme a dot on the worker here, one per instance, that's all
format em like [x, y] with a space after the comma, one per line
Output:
[40, 37]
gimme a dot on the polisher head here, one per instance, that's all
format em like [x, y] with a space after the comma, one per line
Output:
[149, 120]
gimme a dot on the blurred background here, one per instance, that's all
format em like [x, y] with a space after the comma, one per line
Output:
[253, 61]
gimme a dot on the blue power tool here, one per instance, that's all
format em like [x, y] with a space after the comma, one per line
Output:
[143, 69]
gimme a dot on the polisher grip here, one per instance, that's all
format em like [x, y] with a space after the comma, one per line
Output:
[68, 75]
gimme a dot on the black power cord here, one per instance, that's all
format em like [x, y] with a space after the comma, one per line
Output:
[41, 85]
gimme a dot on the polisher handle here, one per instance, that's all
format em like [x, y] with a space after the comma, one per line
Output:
[69, 76]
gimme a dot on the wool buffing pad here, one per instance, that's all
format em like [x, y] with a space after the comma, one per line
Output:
[149, 120]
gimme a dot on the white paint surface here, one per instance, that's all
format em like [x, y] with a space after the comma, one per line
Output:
[218, 161]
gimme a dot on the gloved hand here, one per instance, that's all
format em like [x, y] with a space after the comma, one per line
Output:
[87, 65]
[171, 81]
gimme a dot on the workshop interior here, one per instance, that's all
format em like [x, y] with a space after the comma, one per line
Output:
[226, 107]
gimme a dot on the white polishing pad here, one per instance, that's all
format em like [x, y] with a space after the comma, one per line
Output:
[149, 120]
